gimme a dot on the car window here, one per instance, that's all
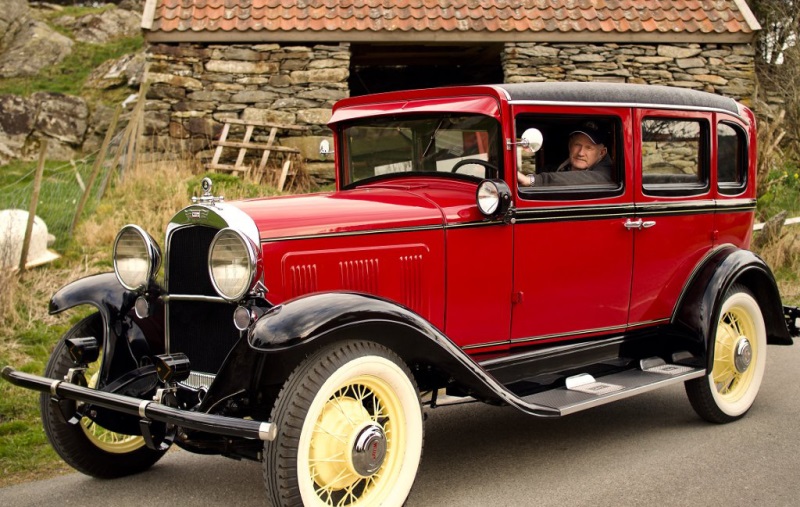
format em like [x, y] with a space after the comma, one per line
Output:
[580, 157]
[673, 156]
[731, 159]
[436, 145]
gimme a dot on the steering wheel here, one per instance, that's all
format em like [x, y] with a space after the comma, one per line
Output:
[468, 161]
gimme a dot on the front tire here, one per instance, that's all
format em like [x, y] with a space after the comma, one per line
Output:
[350, 430]
[740, 357]
[85, 446]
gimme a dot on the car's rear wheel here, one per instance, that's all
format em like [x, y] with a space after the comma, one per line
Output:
[86, 446]
[740, 354]
[350, 430]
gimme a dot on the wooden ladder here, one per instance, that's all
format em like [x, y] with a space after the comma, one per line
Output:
[239, 166]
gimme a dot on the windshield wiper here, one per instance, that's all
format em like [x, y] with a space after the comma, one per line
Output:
[433, 136]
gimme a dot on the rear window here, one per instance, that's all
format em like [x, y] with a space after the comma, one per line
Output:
[731, 159]
[673, 156]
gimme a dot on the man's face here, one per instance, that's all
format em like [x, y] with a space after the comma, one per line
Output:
[583, 153]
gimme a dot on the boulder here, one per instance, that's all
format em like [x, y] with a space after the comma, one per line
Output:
[34, 47]
[124, 71]
[13, 223]
[104, 27]
[62, 117]
[13, 16]
[17, 117]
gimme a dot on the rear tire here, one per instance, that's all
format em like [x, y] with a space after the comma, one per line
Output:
[740, 356]
[87, 447]
[350, 430]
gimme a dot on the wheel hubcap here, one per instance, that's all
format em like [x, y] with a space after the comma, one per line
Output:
[733, 355]
[369, 450]
[743, 355]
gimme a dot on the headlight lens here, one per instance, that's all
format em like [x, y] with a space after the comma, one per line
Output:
[488, 198]
[136, 257]
[232, 264]
[494, 197]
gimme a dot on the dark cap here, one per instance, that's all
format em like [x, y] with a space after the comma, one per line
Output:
[593, 131]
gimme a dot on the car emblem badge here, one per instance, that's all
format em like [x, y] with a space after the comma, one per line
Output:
[196, 214]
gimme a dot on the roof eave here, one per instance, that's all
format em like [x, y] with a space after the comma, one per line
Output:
[427, 36]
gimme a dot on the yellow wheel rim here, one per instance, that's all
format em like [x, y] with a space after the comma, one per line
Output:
[108, 441]
[735, 325]
[366, 404]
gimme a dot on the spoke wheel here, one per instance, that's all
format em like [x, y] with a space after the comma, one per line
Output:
[350, 430]
[740, 349]
[86, 446]
[108, 441]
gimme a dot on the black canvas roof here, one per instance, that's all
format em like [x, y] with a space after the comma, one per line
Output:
[617, 93]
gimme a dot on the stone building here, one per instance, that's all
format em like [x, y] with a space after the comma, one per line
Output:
[289, 61]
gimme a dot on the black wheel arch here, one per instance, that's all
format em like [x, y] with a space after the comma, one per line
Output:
[288, 333]
[122, 330]
[697, 311]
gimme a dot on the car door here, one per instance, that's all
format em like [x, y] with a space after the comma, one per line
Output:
[572, 251]
[674, 209]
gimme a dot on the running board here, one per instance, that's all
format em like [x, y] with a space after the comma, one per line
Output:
[583, 391]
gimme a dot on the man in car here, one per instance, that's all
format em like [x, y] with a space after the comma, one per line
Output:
[588, 161]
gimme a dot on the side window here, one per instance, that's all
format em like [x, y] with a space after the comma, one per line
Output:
[674, 156]
[580, 157]
[731, 159]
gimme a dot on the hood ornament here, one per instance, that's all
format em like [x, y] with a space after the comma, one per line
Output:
[207, 198]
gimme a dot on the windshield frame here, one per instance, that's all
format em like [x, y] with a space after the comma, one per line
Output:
[425, 132]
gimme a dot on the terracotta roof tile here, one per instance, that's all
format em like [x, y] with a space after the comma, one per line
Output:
[457, 16]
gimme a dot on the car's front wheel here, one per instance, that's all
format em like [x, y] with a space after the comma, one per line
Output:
[350, 430]
[740, 356]
[86, 446]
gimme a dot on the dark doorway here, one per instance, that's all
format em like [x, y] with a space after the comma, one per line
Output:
[378, 68]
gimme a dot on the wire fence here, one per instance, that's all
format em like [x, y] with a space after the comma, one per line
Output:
[62, 190]
[59, 193]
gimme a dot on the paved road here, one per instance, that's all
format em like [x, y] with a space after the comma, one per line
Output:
[649, 450]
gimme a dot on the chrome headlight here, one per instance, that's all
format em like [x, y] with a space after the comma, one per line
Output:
[136, 257]
[493, 197]
[232, 264]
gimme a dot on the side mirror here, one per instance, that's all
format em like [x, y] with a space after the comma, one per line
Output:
[532, 140]
[325, 148]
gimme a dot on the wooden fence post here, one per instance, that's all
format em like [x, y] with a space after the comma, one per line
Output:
[37, 185]
[98, 164]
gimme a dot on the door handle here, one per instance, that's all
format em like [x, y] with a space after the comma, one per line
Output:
[638, 224]
[633, 224]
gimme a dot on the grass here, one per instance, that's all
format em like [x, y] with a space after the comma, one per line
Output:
[69, 76]
[151, 195]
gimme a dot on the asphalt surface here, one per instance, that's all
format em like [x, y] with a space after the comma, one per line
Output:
[648, 450]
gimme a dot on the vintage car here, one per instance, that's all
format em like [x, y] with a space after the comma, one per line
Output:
[309, 331]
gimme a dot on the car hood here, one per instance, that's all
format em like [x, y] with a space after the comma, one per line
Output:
[352, 211]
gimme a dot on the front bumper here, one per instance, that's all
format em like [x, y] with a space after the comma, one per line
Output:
[147, 410]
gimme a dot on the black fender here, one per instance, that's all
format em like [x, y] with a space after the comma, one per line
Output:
[697, 311]
[293, 330]
[142, 337]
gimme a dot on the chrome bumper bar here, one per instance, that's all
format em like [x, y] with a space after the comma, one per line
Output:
[145, 409]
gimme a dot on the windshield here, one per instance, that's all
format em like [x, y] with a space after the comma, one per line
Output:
[410, 145]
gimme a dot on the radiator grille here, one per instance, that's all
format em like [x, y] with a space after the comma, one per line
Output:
[203, 331]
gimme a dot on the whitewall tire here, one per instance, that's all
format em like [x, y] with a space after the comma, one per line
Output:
[740, 356]
[350, 430]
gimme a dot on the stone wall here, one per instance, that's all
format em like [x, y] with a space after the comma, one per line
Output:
[194, 88]
[725, 69]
